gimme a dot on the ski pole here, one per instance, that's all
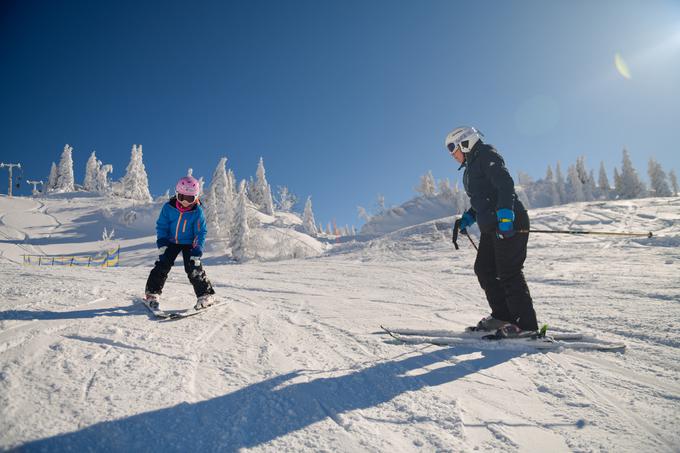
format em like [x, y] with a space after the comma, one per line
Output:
[601, 233]
[471, 241]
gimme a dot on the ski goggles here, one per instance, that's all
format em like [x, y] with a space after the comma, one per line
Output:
[186, 198]
[452, 148]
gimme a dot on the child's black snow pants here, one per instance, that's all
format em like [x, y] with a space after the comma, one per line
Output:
[498, 268]
[193, 268]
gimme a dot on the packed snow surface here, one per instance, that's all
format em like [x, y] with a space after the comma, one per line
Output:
[295, 361]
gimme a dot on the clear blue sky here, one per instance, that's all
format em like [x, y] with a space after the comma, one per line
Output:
[343, 99]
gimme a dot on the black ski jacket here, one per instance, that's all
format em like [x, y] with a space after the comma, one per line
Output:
[489, 185]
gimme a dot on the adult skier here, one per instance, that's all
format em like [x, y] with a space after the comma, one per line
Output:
[181, 227]
[497, 210]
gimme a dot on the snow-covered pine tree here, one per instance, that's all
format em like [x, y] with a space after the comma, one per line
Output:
[587, 186]
[427, 187]
[321, 230]
[552, 187]
[603, 182]
[657, 179]
[91, 173]
[674, 182]
[574, 185]
[617, 182]
[462, 200]
[308, 222]
[631, 186]
[445, 190]
[240, 232]
[380, 204]
[220, 201]
[231, 180]
[65, 181]
[286, 200]
[52, 179]
[559, 181]
[262, 192]
[103, 185]
[135, 183]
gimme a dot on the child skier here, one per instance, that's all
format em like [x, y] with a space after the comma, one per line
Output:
[181, 227]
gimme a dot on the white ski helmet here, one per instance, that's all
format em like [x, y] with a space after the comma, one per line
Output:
[466, 137]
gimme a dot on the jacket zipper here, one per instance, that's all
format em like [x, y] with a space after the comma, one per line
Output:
[184, 227]
[177, 229]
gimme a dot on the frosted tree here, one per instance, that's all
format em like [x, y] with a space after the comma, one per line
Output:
[286, 200]
[631, 186]
[587, 183]
[231, 181]
[445, 190]
[103, 185]
[65, 181]
[135, 183]
[617, 182]
[91, 173]
[674, 181]
[240, 232]
[380, 204]
[603, 182]
[427, 185]
[220, 201]
[354, 230]
[308, 222]
[262, 192]
[552, 187]
[575, 186]
[561, 186]
[321, 230]
[362, 213]
[657, 179]
[52, 179]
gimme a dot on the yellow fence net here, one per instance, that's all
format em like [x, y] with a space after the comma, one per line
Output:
[108, 258]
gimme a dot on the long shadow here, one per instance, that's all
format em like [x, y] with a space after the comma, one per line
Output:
[30, 315]
[262, 412]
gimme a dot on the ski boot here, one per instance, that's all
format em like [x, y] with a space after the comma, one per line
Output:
[510, 330]
[488, 324]
[153, 300]
[204, 302]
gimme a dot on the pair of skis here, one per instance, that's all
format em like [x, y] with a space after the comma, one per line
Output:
[172, 315]
[543, 341]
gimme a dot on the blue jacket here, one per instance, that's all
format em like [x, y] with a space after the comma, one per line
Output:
[489, 185]
[186, 228]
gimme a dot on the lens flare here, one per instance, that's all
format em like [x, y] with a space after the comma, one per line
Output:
[621, 66]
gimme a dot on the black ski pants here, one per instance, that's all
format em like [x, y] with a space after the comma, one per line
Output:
[498, 268]
[193, 268]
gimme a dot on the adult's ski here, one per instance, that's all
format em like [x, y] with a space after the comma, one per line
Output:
[548, 342]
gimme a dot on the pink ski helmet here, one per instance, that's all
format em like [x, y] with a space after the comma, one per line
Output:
[188, 185]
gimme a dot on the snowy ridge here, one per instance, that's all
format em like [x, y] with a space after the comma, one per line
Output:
[294, 363]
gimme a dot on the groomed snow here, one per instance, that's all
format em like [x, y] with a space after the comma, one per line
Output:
[294, 362]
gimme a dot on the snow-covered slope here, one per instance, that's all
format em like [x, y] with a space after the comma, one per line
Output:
[73, 223]
[293, 361]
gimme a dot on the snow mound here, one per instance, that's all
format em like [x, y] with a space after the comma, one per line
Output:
[414, 212]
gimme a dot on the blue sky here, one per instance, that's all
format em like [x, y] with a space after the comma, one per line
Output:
[343, 99]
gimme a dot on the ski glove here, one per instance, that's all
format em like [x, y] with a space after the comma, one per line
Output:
[467, 220]
[196, 251]
[505, 218]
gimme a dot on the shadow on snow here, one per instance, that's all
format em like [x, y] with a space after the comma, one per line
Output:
[262, 412]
